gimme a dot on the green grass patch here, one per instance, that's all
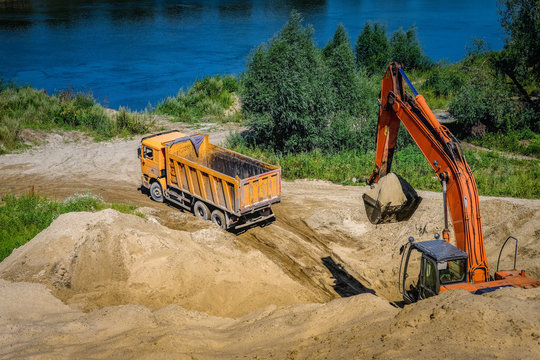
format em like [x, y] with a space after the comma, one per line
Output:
[207, 100]
[23, 107]
[23, 217]
[495, 175]
[524, 142]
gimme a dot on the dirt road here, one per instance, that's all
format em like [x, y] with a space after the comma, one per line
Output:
[189, 289]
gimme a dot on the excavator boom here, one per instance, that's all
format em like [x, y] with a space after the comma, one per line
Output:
[443, 153]
[443, 266]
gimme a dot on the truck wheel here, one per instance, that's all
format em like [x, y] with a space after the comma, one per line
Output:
[156, 192]
[219, 219]
[201, 210]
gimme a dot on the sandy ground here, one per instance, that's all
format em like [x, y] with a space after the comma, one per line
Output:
[110, 285]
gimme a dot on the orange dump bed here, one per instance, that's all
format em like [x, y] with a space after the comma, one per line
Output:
[234, 182]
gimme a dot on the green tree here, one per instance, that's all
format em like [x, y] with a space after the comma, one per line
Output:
[519, 60]
[406, 49]
[344, 78]
[372, 48]
[287, 91]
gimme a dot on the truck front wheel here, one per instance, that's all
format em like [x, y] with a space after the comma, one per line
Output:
[219, 219]
[156, 192]
[201, 210]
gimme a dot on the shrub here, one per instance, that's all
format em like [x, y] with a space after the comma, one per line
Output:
[406, 49]
[486, 102]
[206, 100]
[287, 90]
[339, 58]
[372, 49]
[132, 123]
[444, 80]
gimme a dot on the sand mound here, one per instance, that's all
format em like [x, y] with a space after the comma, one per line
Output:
[504, 324]
[92, 260]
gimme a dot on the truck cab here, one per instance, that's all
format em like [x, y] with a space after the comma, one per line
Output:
[151, 153]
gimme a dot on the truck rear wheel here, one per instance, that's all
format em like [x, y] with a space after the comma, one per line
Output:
[201, 210]
[156, 192]
[219, 219]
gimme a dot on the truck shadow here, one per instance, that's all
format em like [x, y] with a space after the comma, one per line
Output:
[344, 283]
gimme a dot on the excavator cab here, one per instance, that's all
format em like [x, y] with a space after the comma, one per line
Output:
[437, 264]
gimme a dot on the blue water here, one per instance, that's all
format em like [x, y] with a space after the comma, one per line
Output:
[135, 53]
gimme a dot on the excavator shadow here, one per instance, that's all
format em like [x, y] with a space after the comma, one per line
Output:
[344, 283]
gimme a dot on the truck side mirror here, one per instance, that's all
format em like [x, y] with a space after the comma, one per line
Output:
[139, 152]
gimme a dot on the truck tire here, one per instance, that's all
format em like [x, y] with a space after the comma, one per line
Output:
[219, 219]
[156, 192]
[201, 210]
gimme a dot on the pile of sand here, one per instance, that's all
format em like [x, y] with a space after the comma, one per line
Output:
[110, 285]
[92, 260]
[504, 324]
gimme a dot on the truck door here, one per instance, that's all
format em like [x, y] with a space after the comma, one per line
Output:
[149, 161]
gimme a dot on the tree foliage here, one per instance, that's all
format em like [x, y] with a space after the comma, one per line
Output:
[497, 95]
[406, 49]
[300, 98]
[372, 48]
[286, 90]
[521, 22]
[339, 58]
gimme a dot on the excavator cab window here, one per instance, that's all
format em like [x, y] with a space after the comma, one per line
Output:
[452, 271]
[429, 284]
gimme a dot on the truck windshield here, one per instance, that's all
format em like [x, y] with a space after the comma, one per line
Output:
[451, 271]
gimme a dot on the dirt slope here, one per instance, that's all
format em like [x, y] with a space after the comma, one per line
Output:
[108, 285]
[501, 325]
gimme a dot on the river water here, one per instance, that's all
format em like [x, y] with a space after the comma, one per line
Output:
[136, 53]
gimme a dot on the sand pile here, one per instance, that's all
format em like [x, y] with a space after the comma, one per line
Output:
[504, 325]
[92, 260]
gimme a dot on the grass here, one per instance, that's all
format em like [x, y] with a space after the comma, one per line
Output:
[495, 175]
[23, 107]
[23, 217]
[524, 142]
[207, 100]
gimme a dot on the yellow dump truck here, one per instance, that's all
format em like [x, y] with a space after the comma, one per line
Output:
[230, 189]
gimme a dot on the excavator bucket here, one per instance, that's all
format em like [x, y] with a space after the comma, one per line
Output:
[391, 199]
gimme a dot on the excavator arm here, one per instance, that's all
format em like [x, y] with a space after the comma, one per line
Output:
[443, 152]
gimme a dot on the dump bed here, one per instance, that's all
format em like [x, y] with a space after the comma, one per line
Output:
[224, 178]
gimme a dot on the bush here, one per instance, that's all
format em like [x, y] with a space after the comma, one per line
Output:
[132, 123]
[486, 104]
[406, 49]
[287, 91]
[206, 100]
[372, 49]
[444, 80]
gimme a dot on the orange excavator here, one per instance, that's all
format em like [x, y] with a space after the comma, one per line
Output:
[441, 265]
